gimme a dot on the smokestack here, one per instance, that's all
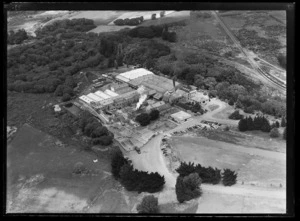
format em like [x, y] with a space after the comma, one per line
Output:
[143, 97]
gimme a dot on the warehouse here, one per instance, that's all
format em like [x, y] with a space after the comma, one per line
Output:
[110, 93]
[94, 97]
[180, 116]
[85, 99]
[130, 75]
[102, 94]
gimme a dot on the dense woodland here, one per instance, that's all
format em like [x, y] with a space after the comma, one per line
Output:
[17, 37]
[63, 48]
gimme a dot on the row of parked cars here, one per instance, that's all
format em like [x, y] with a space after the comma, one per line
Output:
[204, 125]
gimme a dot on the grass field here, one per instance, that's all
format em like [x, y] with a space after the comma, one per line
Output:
[40, 178]
[253, 165]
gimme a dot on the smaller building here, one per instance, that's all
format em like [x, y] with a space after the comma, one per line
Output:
[158, 96]
[57, 108]
[180, 116]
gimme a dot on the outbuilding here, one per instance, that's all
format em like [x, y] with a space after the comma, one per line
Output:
[180, 116]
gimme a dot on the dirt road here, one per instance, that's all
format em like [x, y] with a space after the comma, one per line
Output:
[152, 160]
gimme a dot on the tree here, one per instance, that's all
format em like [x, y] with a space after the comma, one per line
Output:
[66, 97]
[143, 119]
[229, 177]
[153, 16]
[188, 187]
[117, 162]
[59, 90]
[243, 125]
[283, 122]
[274, 132]
[249, 123]
[154, 114]
[236, 115]
[162, 14]
[103, 140]
[149, 204]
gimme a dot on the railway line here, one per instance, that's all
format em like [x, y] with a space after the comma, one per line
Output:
[274, 80]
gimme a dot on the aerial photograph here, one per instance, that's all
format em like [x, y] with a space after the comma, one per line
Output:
[146, 112]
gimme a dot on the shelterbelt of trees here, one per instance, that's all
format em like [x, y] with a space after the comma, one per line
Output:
[62, 49]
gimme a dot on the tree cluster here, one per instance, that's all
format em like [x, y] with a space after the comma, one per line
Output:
[129, 21]
[207, 174]
[65, 26]
[93, 129]
[134, 180]
[146, 51]
[236, 115]
[149, 204]
[144, 118]
[258, 123]
[16, 37]
[153, 31]
[188, 187]
[194, 107]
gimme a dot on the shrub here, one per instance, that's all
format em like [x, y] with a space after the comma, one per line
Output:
[149, 204]
[79, 168]
[284, 134]
[236, 115]
[274, 132]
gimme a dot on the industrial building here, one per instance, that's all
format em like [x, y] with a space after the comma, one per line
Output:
[102, 94]
[180, 116]
[110, 93]
[94, 97]
[141, 76]
[85, 99]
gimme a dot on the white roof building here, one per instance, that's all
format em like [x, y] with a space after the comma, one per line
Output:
[102, 94]
[122, 78]
[85, 99]
[181, 116]
[130, 75]
[94, 97]
[111, 93]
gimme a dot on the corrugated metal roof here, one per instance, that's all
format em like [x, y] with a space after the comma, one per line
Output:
[111, 93]
[135, 73]
[85, 99]
[102, 94]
